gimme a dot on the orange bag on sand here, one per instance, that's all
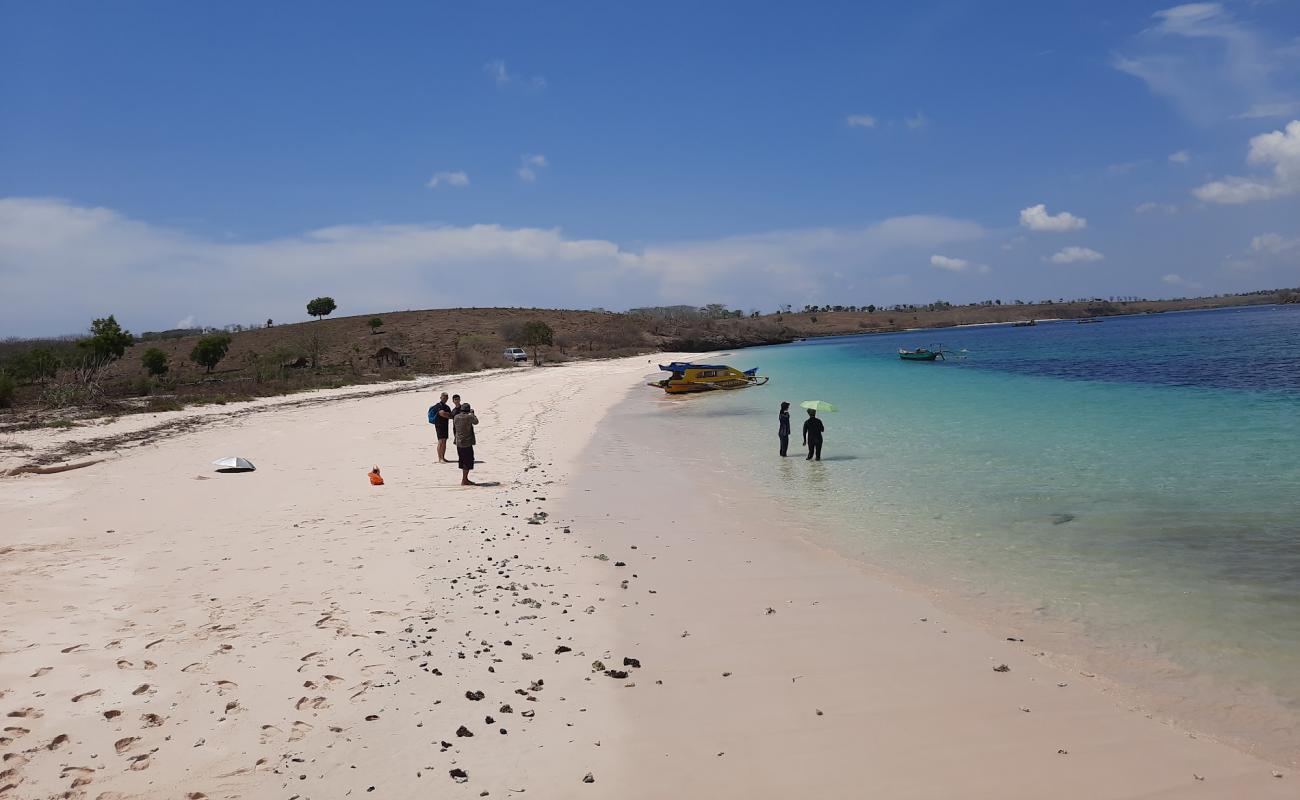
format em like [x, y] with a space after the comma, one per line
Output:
[375, 478]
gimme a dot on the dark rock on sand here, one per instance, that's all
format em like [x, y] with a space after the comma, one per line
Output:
[616, 673]
[635, 663]
[463, 731]
[474, 695]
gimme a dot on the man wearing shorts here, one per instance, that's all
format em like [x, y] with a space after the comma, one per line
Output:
[463, 428]
[440, 416]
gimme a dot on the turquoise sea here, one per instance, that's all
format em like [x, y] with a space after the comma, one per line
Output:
[1125, 495]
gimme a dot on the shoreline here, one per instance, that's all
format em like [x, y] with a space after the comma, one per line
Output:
[313, 602]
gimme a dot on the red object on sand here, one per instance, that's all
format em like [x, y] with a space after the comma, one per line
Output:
[375, 478]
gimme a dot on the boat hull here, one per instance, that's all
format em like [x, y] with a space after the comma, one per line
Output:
[691, 378]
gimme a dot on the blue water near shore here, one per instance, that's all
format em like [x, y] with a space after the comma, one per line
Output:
[1136, 481]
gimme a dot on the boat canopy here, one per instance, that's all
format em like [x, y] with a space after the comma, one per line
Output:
[682, 366]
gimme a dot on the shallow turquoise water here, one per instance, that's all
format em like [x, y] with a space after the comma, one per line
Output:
[1136, 481]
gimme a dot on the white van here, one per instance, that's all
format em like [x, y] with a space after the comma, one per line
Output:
[515, 354]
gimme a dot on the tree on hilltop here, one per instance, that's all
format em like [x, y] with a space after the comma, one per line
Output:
[321, 307]
[375, 324]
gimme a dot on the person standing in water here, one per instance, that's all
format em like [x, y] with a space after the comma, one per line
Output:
[812, 435]
[463, 427]
[783, 427]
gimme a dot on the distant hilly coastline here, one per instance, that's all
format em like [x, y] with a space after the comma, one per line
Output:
[45, 382]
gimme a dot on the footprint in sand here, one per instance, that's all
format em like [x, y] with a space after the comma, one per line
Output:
[112, 713]
[139, 763]
[224, 685]
[269, 733]
[152, 720]
[58, 741]
[72, 649]
[197, 666]
[124, 664]
[141, 689]
[42, 671]
[125, 743]
[26, 713]
[78, 698]
[299, 730]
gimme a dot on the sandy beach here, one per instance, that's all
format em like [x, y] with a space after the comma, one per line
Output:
[605, 620]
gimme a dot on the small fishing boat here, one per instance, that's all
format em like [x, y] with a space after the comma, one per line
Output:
[1024, 323]
[921, 354]
[687, 377]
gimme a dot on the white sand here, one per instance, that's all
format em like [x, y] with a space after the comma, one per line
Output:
[169, 632]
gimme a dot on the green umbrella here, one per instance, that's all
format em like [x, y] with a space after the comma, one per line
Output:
[818, 405]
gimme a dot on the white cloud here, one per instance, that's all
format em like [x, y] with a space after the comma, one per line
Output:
[1075, 254]
[457, 178]
[1281, 150]
[1202, 59]
[1272, 244]
[528, 166]
[1269, 111]
[143, 272]
[1036, 218]
[496, 69]
[1014, 242]
[1152, 208]
[952, 264]
[1174, 279]
[185, 322]
[916, 122]
[860, 121]
[1181, 157]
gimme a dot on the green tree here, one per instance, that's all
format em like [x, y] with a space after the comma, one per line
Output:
[36, 365]
[321, 307]
[7, 388]
[210, 350]
[375, 324]
[537, 334]
[155, 362]
[107, 342]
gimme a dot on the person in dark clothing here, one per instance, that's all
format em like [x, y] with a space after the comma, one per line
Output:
[812, 435]
[440, 416]
[783, 427]
[455, 404]
[464, 423]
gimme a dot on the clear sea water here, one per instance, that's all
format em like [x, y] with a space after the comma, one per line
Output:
[1125, 493]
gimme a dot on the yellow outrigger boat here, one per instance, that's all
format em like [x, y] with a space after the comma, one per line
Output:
[687, 377]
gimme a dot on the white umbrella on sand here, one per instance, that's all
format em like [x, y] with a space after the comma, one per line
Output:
[234, 464]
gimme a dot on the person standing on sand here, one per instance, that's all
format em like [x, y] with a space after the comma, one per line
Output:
[463, 426]
[783, 427]
[440, 416]
[455, 404]
[812, 435]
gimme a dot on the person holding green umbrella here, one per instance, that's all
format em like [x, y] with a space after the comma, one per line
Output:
[813, 428]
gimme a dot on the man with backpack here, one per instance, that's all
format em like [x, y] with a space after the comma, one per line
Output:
[440, 415]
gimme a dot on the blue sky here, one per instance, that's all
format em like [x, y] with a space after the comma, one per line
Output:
[221, 163]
